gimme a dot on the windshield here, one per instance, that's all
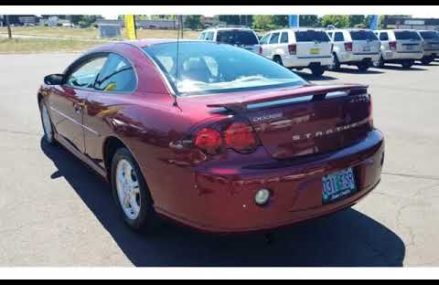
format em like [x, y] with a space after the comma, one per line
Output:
[237, 37]
[407, 35]
[205, 67]
[363, 36]
[430, 35]
[311, 36]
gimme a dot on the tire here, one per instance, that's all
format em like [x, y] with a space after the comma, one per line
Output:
[380, 63]
[363, 67]
[335, 63]
[407, 64]
[141, 217]
[317, 71]
[278, 60]
[47, 124]
[426, 60]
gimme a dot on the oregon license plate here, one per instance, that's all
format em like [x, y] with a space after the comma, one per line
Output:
[314, 51]
[338, 185]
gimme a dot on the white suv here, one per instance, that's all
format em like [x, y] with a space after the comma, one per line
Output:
[431, 45]
[399, 46]
[298, 48]
[358, 47]
[238, 36]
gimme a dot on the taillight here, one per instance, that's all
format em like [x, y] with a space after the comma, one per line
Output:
[240, 137]
[260, 50]
[292, 48]
[370, 118]
[348, 46]
[392, 45]
[208, 139]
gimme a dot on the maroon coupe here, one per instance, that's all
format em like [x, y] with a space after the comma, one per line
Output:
[211, 135]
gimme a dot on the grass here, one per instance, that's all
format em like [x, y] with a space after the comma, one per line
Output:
[64, 39]
[91, 33]
[44, 45]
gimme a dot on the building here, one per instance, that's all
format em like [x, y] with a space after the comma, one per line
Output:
[412, 23]
[20, 20]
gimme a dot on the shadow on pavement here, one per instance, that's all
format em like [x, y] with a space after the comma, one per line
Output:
[356, 71]
[398, 67]
[309, 76]
[347, 238]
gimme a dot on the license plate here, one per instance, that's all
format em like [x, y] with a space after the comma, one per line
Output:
[366, 49]
[314, 51]
[410, 47]
[338, 185]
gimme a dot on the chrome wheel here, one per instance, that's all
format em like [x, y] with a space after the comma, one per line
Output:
[47, 124]
[128, 190]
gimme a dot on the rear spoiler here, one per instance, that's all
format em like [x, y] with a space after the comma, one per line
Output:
[317, 91]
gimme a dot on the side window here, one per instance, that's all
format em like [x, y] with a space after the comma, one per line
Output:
[209, 36]
[338, 37]
[85, 74]
[264, 39]
[201, 37]
[274, 38]
[284, 37]
[384, 36]
[117, 75]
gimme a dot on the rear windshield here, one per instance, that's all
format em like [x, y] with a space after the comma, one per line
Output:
[206, 67]
[430, 35]
[311, 36]
[407, 35]
[363, 36]
[237, 37]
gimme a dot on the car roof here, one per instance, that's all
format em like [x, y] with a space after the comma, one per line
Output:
[228, 28]
[295, 30]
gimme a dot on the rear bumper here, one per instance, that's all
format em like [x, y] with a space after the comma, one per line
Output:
[431, 52]
[353, 57]
[393, 56]
[227, 199]
[306, 61]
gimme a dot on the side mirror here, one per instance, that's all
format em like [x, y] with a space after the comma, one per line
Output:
[54, 79]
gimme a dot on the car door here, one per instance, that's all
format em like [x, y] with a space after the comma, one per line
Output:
[273, 44]
[67, 100]
[116, 83]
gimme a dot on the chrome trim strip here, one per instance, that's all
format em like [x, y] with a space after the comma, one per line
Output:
[74, 121]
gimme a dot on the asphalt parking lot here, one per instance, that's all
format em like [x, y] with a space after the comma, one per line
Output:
[54, 211]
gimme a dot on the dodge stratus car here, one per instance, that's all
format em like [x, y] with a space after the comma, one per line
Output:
[211, 135]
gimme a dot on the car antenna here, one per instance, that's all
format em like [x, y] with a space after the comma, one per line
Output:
[180, 27]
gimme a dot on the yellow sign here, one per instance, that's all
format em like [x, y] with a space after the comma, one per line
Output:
[130, 27]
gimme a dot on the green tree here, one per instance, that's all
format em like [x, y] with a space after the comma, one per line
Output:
[309, 21]
[280, 21]
[192, 22]
[263, 22]
[339, 21]
[356, 20]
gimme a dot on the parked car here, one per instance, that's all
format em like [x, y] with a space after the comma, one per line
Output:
[430, 44]
[243, 37]
[298, 48]
[359, 47]
[215, 137]
[399, 46]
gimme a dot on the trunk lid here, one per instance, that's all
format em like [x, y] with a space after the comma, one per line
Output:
[312, 44]
[364, 42]
[307, 120]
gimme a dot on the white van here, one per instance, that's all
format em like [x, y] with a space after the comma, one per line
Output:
[399, 46]
[359, 47]
[431, 45]
[298, 48]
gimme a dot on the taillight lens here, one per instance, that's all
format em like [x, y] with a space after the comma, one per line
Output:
[292, 49]
[260, 50]
[209, 140]
[240, 137]
[348, 46]
[392, 45]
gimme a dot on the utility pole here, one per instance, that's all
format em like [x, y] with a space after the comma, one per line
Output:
[8, 25]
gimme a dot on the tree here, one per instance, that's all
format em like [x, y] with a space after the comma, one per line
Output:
[192, 22]
[339, 21]
[356, 20]
[280, 21]
[309, 21]
[263, 22]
